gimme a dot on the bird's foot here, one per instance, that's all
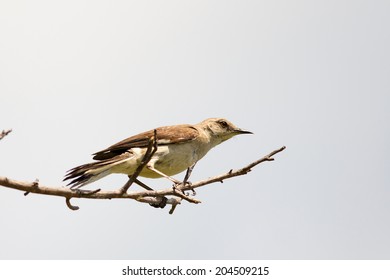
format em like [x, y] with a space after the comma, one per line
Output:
[181, 185]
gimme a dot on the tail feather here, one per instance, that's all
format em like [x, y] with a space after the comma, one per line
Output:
[83, 174]
[91, 172]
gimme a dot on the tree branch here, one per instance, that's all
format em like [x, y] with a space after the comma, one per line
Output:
[5, 133]
[156, 198]
[152, 148]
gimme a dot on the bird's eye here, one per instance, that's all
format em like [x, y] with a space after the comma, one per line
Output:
[223, 124]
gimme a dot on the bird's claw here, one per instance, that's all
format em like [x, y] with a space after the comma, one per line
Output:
[187, 184]
[193, 192]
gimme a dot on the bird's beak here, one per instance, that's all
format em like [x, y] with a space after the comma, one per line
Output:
[239, 131]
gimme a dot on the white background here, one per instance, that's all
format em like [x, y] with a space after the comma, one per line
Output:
[78, 76]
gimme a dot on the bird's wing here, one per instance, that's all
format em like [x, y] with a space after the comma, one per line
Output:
[165, 135]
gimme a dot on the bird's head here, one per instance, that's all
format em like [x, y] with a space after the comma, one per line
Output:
[221, 129]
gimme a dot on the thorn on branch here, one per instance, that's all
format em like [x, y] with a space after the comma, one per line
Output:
[35, 185]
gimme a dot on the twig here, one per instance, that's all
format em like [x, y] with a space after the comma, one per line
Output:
[146, 196]
[233, 173]
[152, 148]
[70, 206]
[5, 133]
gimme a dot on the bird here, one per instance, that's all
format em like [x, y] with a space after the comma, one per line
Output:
[179, 148]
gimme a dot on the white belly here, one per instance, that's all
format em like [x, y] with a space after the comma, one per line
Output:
[169, 159]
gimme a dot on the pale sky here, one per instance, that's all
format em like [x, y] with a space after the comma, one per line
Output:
[78, 76]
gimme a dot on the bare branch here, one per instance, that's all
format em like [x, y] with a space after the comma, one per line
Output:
[233, 173]
[156, 198]
[152, 148]
[5, 133]
[70, 206]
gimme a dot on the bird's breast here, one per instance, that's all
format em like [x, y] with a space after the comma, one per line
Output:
[173, 159]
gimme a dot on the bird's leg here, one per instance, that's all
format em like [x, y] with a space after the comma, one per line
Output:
[150, 167]
[187, 176]
[146, 187]
[138, 182]
[175, 182]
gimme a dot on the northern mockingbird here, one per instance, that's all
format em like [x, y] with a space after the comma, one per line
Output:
[179, 148]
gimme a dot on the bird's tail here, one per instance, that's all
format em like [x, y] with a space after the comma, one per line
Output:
[91, 172]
